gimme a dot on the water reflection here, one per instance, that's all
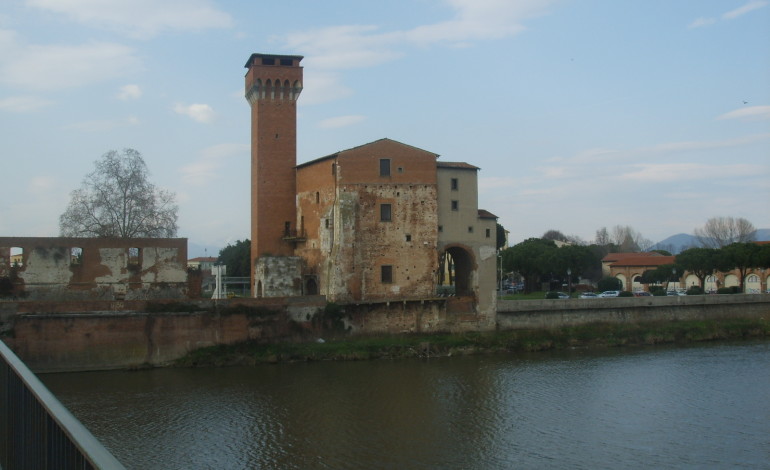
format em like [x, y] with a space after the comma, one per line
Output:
[663, 408]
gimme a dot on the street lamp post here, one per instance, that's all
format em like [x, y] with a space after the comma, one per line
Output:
[569, 277]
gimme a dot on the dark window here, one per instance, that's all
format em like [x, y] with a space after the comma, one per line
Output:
[454, 184]
[387, 274]
[408, 237]
[317, 197]
[384, 166]
[470, 229]
[385, 215]
[286, 62]
[455, 205]
[489, 233]
[440, 228]
[266, 61]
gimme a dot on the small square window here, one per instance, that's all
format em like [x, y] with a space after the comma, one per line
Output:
[384, 166]
[455, 205]
[440, 228]
[408, 237]
[386, 273]
[470, 229]
[454, 184]
[385, 213]
[401, 169]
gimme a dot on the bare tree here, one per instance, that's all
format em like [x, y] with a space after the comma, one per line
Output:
[722, 231]
[117, 200]
[628, 239]
[602, 237]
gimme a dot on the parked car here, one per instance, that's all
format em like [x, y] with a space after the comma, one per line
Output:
[675, 292]
[610, 293]
[642, 294]
[589, 295]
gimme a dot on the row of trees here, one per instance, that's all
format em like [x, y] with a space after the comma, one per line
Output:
[704, 262]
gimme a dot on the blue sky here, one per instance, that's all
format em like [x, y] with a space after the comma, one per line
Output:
[580, 114]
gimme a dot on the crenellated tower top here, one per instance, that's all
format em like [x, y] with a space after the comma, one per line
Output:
[273, 77]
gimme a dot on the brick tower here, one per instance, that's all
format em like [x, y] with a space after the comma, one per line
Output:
[273, 84]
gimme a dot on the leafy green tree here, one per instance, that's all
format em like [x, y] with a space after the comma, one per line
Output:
[702, 262]
[501, 238]
[578, 259]
[741, 256]
[237, 258]
[530, 258]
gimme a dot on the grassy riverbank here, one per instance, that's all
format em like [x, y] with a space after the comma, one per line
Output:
[414, 345]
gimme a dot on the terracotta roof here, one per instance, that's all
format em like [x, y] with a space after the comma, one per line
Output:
[203, 258]
[645, 261]
[457, 165]
[620, 256]
[486, 214]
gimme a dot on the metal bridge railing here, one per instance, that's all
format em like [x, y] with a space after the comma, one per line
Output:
[38, 432]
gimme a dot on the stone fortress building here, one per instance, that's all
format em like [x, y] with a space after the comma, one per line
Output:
[379, 223]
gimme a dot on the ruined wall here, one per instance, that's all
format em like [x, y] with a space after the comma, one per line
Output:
[316, 199]
[61, 268]
[278, 276]
[364, 243]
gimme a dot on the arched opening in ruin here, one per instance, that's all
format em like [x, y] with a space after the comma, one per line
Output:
[456, 270]
[76, 256]
[311, 285]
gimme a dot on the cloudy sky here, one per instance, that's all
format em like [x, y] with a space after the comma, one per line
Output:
[581, 114]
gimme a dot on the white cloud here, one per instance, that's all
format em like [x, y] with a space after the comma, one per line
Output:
[197, 112]
[753, 113]
[668, 172]
[205, 169]
[750, 6]
[56, 67]
[129, 92]
[102, 125]
[700, 22]
[358, 46]
[140, 18]
[340, 121]
[23, 104]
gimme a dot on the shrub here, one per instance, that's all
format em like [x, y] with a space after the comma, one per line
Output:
[551, 295]
[625, 293]
[658, 291]
[725, 290]
[695, 290]
[609, 283]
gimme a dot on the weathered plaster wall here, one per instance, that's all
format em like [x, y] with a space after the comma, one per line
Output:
[278, 276]
[101, 270]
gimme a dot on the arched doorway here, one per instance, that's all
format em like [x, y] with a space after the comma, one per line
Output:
[456, 270]
[311, 285]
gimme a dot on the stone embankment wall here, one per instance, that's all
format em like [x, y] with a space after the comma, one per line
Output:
[67, 336]
[58, 340]
[570, 312]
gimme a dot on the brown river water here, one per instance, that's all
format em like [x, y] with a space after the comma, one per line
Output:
[703, 406]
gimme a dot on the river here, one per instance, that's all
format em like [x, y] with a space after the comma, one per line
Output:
[704, 406]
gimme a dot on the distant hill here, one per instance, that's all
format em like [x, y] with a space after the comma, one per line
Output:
[682, 241]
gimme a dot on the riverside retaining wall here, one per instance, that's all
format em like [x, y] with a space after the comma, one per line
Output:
[571, 312]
